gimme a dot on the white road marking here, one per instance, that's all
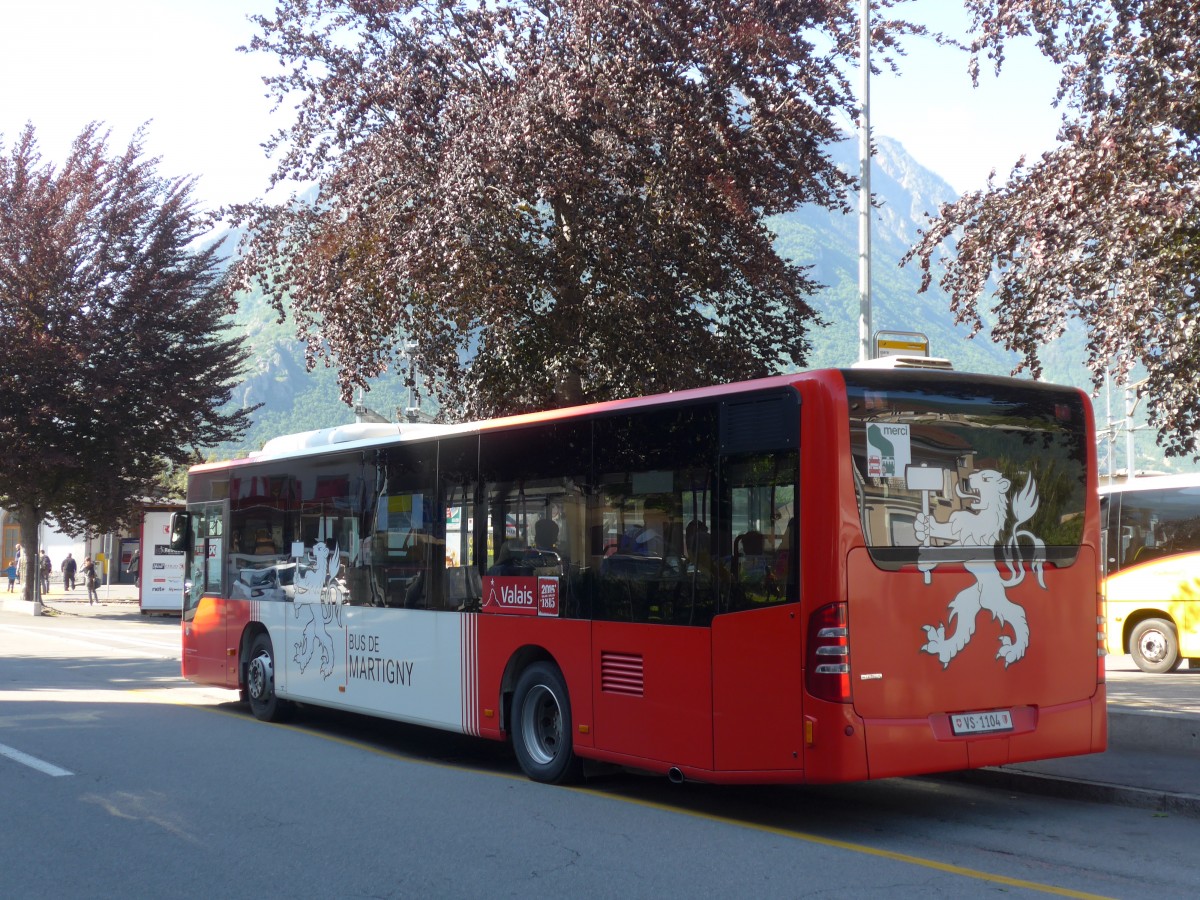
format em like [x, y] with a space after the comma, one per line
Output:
[33, 762]
[87, 639]
[173, 643]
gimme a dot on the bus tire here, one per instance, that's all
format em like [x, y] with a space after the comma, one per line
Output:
[542, 726]
[1154, 646]
[260, 682]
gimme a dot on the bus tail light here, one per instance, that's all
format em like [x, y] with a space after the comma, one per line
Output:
[827, 657]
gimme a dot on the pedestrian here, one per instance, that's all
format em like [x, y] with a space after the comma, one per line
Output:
[92, 580]
[68, 573]
[47, 568]
[11, 572]
[135, 568]
[20, 561]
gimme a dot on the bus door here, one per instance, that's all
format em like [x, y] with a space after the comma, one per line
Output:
[757, 687]
[650, 562]
[758, 638]
[205, 612]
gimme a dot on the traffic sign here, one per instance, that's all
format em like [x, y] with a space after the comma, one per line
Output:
[901, 343]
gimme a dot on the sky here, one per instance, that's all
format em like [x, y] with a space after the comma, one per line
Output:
[173, 64]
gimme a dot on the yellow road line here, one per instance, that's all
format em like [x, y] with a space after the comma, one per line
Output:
[856, 848]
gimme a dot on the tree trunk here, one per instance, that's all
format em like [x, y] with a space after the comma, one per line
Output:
[569, 390]
[31, 518]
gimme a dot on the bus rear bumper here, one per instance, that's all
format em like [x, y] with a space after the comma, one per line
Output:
[904, 747]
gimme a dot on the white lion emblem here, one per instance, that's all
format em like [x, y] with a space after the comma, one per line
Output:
[318, 585]
[982, 526]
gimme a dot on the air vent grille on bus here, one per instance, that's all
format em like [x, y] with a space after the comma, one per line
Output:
[770, 422]
[621, 673]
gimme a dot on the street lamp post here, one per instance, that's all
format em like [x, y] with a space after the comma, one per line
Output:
[1131, 401]
[1109, 433]
[864, 188]
[412, 412]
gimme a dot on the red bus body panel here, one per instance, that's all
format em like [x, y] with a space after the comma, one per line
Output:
[211, 637]
[204, 642]
[758, 691]
[1057, 670]
[665, 714]
[504, 638]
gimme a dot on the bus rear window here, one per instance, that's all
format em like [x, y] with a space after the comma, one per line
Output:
[952, 470]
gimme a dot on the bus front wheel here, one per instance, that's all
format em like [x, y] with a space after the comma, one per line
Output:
[542, 726]
[260, 682]
[1154, 646]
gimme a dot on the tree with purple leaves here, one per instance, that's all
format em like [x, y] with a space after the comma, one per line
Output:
[556, 201]
[1105, 228]
[114, 364]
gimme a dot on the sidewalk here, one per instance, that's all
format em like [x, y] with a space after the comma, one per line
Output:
[1132, 772]
[76, 601]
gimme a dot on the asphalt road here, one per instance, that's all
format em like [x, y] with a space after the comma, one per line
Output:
[128, 781]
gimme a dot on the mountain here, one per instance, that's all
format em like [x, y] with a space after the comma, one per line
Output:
[906, 192]
[906, 195]
[294, 399]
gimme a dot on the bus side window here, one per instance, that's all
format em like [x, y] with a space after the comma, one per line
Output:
[1158, 522]
[459, 534]
[1126, 546]
[533, 482]
[403, 548]
[463, 586]
[760, 490]
[652, 522]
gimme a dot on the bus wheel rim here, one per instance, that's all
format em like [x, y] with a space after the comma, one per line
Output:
[1153, 646]
[260, 676]
[541, 725]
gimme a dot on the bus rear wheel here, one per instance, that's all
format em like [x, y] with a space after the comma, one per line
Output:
[542, 726]
[1154, 646]
[260, 682]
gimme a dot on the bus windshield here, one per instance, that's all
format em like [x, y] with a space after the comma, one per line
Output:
[1009, 458]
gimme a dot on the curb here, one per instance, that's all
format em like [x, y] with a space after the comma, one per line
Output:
[1162, 733]
[1166, 802]
[55, 604]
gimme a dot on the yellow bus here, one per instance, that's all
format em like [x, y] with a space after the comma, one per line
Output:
[1151, 536]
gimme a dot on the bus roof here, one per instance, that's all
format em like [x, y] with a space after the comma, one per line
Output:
[369, 435]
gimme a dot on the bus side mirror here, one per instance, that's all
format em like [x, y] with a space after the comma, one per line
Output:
[179, 530]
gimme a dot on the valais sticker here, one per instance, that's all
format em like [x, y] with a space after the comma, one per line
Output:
[521, 595]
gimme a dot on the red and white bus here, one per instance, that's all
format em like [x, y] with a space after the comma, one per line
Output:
[827, 576]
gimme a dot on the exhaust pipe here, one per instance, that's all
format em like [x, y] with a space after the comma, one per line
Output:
[674, 775]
